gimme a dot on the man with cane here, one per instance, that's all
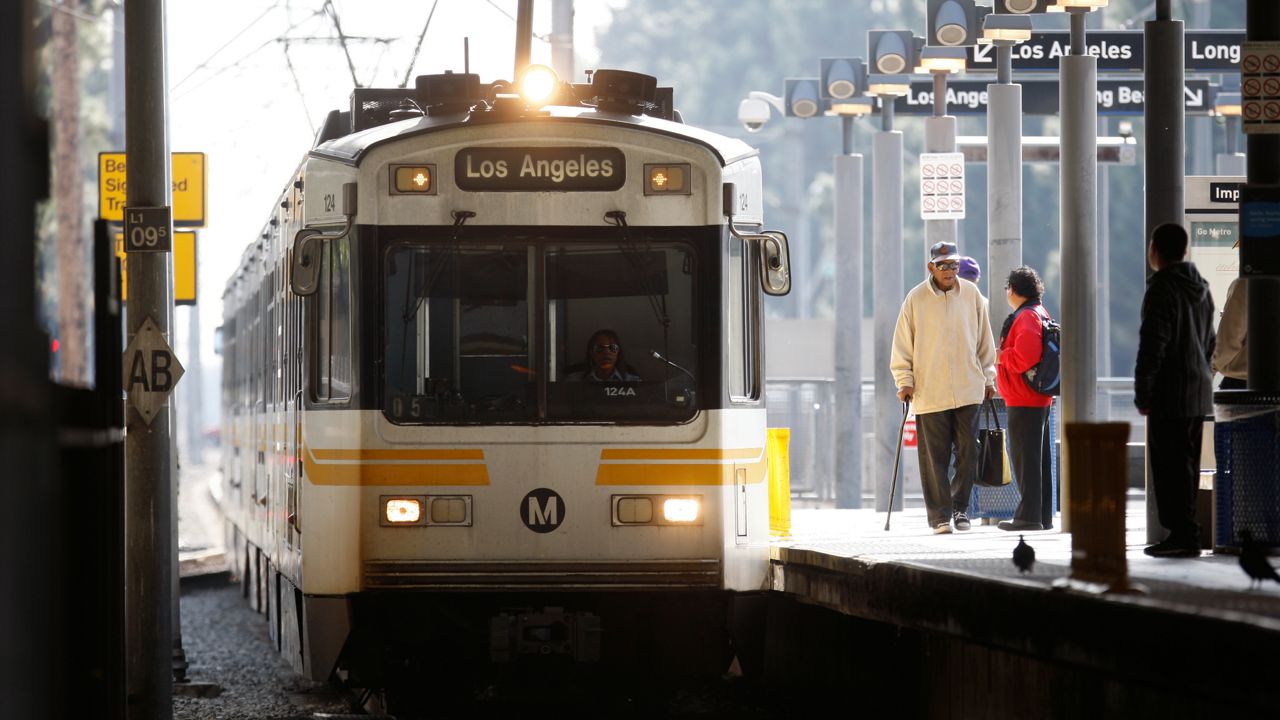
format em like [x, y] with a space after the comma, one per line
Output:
[944, 362]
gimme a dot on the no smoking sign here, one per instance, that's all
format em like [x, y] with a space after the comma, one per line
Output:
[942, 186]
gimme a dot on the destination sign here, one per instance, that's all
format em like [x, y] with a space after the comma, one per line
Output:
[1116, 50]
[539, 169]
[1040, 97]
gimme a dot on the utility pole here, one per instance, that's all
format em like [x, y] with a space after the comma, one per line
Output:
[848, 240]
[562, 38]
[68, 196]
[886, 264]
[149, 461]
[524, 36]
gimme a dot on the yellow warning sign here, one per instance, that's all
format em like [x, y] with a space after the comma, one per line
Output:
[184, 267]
[189, 197]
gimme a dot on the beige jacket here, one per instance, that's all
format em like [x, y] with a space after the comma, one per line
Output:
[1230, 354]
[943, 347]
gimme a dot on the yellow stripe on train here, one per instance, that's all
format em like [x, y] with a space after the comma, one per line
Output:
[373, 466]
[671, 467]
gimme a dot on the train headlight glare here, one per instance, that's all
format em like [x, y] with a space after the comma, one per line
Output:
[666, 180]
[538, 84]
[681, 510]
[414, 179]
[403, 510]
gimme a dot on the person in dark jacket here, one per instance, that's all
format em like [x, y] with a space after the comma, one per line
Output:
[1020, 348]
[1173, 385]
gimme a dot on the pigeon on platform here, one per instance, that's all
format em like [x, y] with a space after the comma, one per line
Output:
[1024, 556]
[1253, 559]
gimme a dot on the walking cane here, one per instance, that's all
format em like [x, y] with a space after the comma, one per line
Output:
[893, 487]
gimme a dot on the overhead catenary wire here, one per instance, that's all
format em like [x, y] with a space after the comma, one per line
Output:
[512, 18]
[297, 84]
[342, 38]
[413, 60]
[237, 62]
[205, 63]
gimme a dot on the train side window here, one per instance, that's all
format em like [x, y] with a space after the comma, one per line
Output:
[743, 378]
[333, 324]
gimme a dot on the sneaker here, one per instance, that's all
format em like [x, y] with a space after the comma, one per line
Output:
[1020, 525]
[942, 528]
[1168, 549]
[961, 520]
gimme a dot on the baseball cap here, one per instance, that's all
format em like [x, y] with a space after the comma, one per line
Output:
[943, 251]
[969, 269]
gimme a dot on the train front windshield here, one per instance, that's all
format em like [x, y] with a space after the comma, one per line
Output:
[540, 329]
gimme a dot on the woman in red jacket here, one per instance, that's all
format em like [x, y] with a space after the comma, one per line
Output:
[1029, 456]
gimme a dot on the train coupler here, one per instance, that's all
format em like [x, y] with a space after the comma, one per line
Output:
[551, 632]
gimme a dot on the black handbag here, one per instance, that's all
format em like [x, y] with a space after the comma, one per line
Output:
[993, 460]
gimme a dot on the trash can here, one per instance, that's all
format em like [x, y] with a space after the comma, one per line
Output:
[1247, 483]
[1000, 503]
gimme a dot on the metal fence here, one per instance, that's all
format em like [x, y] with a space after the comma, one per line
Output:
[807, 406]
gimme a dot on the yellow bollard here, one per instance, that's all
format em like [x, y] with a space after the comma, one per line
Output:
[779, 481]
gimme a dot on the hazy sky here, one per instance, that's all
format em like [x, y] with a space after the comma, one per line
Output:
[250, 80]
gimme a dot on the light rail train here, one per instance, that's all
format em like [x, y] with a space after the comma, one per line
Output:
[493, 383]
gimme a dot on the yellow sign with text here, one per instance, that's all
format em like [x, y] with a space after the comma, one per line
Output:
[184, 268]
[189, 196]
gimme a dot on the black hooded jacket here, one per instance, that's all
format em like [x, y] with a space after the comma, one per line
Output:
[1172, 377]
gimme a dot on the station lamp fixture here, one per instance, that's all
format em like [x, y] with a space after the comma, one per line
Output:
[888, 86]
[941, 59]
[842, 78]
[1077, 5]
[893, 51]
[1020, 7]
[801, 97]
[1227, 104]
[1002, 29]
[952, 23]
[853, 107]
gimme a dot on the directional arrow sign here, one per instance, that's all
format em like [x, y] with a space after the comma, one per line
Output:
[150, 370]
[1116, 50]
[1040, 97]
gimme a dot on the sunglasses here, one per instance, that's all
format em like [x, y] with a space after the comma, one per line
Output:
[948, 265]
[611, 347]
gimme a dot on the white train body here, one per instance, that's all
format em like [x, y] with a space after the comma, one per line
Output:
[440, 366]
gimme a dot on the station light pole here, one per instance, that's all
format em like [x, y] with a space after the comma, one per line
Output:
[952, 25]
[886, 266]
[1077, 98]
[1004, 158]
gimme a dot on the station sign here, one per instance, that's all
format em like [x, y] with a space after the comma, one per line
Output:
[1260, 88]
[150, 370]
[1119, 51]
[184, 267]
[533, 169]
[1040, 97]
[942, 186]
[189, 188]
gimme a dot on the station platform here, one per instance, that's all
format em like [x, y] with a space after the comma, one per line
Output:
[1197, 629]
[201, 548]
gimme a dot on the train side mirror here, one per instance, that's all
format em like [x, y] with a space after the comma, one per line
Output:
[308, 250]
[775, 263]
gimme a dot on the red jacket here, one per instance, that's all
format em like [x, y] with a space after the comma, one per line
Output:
[1019, 352]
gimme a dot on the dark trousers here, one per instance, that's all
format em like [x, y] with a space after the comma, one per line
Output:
[1030, 460]
[1173, 446]
[1230, 383]
[936, 434]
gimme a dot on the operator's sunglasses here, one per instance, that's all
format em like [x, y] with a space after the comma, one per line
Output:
[611, 347]
[948, 265]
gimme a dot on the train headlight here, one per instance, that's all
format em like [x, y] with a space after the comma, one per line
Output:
[402, 511]
[538, 84]
[635, 510]
[413, 179]
[666, 179]
[681, 509]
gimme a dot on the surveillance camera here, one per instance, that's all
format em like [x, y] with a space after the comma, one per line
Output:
[753, 114]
